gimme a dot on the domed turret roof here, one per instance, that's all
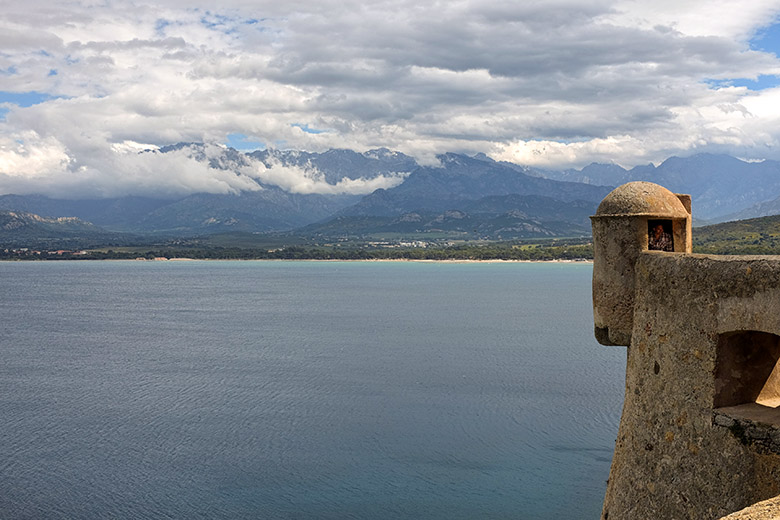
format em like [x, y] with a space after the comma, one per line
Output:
[642, 198]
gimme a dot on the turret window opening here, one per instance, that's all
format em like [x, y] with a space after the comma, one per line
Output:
[660, 235]
[747, 369]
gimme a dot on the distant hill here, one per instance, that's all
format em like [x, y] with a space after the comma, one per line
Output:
[460, 179]
[22, 229]
[19, 222]
[118, 214]
[493, 218]
[758, 236]
[271, 209]
[536, 206]
[760, 209]
[451, 224]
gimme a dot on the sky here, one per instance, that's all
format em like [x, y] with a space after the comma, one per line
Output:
[85, 86]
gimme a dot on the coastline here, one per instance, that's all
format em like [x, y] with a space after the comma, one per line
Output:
[449, 261]
[442, 261]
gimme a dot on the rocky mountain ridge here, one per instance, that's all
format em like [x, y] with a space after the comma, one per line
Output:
[16, 227]
[721, 186]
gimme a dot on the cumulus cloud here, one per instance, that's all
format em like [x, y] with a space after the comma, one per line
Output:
[30, 156]
[31, 164]
[558, 84]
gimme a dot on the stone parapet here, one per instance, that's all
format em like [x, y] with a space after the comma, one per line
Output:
[676, 456]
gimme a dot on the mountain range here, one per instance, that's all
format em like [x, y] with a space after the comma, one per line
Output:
[722, 187]
[472, 197]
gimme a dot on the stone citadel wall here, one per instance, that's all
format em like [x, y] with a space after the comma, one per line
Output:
[699, 436]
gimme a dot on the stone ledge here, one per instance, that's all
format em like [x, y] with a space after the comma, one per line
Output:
[766, 510]
[751, 424]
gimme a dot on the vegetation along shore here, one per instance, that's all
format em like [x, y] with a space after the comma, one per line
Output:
[759, 236]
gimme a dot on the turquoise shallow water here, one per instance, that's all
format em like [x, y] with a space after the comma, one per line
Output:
[303, 390]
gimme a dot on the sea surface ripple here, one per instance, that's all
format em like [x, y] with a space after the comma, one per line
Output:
[303, 390]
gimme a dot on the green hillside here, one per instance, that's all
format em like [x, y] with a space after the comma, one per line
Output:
[755, 236]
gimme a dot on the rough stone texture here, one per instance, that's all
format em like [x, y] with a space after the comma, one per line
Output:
[766, 510]
[700, 433]
[675, 457]
[752, 424]
[616, 242]
[643, 198]
[620, 233]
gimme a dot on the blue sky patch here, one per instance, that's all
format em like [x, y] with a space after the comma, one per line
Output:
[3, 112]
[24, 99]
[767, 40]
[243, 143]
[306, 128]
[218, 22]
[763, 82]
[160, 25]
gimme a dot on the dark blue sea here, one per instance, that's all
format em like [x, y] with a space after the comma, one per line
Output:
[298, 390]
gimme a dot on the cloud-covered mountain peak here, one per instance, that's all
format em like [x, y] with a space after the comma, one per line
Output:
[217, 156]
[334, 172]
[383, 154]
[342, 166]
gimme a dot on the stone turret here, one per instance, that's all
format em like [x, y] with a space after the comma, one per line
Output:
[623, 226]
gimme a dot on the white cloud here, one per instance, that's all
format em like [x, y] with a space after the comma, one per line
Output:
[560, 83]
[31, 164]
[308, 180]
[27, 155]
[725, 18]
